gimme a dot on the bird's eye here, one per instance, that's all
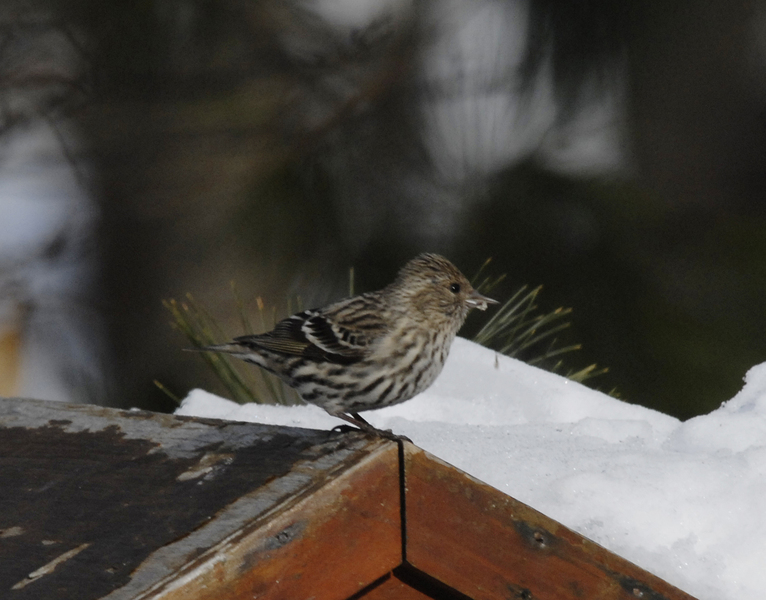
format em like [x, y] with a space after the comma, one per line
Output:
[455, 288]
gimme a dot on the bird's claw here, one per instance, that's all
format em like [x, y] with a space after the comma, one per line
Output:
[373, 431]
[344, 428]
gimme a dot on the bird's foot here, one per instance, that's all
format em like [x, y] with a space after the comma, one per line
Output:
[361, 425]
[390, 435]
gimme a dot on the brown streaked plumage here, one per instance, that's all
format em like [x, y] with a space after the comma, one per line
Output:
[372, 350]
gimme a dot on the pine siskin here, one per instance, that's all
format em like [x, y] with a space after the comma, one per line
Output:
[372, 350]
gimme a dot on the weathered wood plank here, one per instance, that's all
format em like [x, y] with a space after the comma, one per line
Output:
[139, 494]
[328, 546]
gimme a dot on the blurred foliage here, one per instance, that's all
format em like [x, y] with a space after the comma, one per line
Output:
[245, 140]
[575, 40]
[667, 301]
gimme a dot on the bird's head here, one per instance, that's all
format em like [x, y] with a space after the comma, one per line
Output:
[432, 288]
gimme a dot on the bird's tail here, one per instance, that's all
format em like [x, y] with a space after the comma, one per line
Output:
[227, 348]
[238, 350]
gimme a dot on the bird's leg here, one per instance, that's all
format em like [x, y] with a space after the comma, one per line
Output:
[356, 420]
[357, 417]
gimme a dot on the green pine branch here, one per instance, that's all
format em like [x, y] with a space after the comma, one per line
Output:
[244, 383]
[517, 329]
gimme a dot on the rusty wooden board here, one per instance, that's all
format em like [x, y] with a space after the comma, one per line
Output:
[488, 545]
[98, 502]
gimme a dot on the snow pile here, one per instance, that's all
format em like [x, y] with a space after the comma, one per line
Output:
[686, 501]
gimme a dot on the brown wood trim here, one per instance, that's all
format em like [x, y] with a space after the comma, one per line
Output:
[394, 589]
[487, 545]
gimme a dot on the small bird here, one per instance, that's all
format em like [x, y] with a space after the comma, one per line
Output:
[372, 350]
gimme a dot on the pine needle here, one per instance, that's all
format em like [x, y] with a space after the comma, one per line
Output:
[168, 393]
[518, 330]
[243, 384]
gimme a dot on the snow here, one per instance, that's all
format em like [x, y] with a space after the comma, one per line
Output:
[685, 501]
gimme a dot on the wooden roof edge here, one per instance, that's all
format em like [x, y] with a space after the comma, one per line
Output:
[344, 533]
[484, 543]
[342, 513]
[169, 486]
[179, 436]
[258, 523]
[456, 530]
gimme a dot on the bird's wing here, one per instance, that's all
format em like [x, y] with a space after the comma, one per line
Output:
[335, 334]
[286, 338]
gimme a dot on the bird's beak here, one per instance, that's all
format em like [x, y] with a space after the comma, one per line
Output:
[476, 300]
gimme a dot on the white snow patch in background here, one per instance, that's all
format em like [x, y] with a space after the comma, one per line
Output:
[686, 501]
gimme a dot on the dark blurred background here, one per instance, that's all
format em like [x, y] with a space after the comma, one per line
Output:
[611, 151]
